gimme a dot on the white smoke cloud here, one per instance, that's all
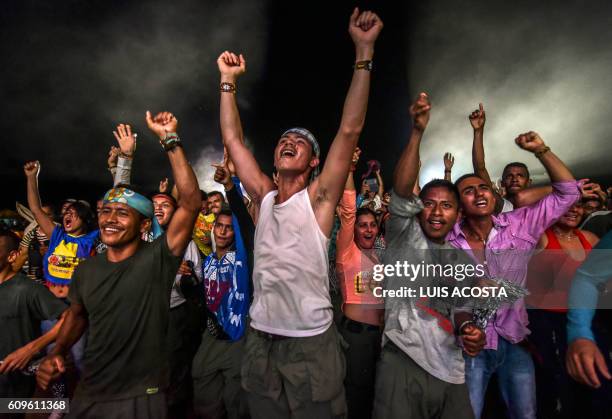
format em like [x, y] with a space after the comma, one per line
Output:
[530, 75]
[204, 170]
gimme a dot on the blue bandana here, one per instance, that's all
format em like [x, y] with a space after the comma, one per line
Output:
[134, 200]
[316, 150]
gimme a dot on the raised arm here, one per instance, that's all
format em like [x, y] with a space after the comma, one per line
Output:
[531, 195]
[32, 169]
[449, 161]
[256, 183]
[113, 154]
[477, 120]
[416, 190]
[127, 147]
[178, 234]
[364, 29]
[237, 206]
[347, 211]
[381, 185]
[557, 170]
[407, 169]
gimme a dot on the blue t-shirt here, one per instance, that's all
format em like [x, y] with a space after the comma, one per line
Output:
[595, 271]
[65, 253]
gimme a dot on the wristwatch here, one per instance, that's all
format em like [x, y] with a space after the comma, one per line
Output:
[364, 65]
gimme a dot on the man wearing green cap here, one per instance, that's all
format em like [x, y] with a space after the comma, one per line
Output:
[123, 297]
[293, 364]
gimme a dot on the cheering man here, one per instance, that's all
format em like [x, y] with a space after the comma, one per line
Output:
[123, 296]
[293, 364]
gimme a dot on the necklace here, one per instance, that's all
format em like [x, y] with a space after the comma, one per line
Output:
[565, 236]
[475, 235]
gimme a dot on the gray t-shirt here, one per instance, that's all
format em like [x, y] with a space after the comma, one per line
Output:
[425, 335]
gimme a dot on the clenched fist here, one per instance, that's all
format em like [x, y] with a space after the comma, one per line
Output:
[355, 158]
[231, 65]
[50, 369]
[162, 123]
[530, 141]
[420, 111]
[32, 168]
[364, 28]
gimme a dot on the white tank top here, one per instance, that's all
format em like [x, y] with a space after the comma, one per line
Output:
[291, 286]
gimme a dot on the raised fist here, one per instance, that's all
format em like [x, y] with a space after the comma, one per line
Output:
[449, 161]
[478, 118]
[32, 168]
[364, 27]
[355, 158]
[126, 139]
[162, 123]
[228, 161]
[113, 153]
[163, 185]
[231, 65]
[420, 111]
[530, 141]
[222, 172]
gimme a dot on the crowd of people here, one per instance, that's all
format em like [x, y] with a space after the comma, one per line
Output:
[263, 300]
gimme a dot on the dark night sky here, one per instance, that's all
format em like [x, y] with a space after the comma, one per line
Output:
[74, 69]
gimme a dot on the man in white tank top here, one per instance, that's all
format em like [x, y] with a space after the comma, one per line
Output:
[294, 365]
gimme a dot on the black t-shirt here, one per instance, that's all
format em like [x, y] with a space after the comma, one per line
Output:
[127, 304]
[23, 305]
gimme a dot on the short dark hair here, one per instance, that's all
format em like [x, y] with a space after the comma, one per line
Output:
[213, 193]
[464, 177]
[365, 211]
[442, 183]
[592, 198]
[12, 240]
[225, 210]
[203, 195]
[516, 164]
[165, 194]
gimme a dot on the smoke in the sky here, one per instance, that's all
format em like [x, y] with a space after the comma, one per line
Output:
[540, 67]
[113, 66]
[204, 169]
[203, 166]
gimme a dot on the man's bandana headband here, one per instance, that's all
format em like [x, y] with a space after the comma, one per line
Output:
[137, 201]
[316, 150]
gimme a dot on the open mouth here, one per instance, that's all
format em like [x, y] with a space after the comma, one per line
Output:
[481, 203]
[67, 223]
[436, 224]
[159, 214]
[288, 153]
